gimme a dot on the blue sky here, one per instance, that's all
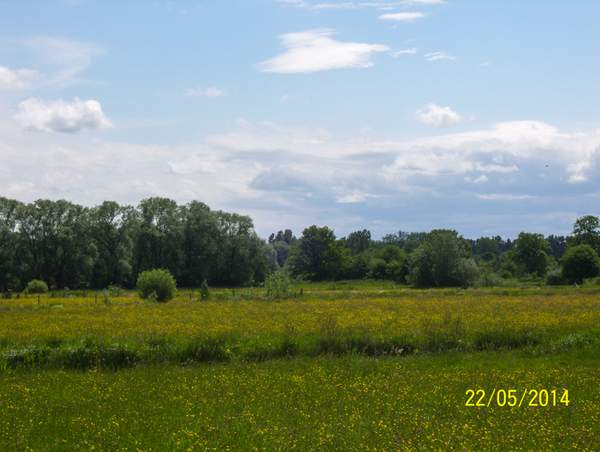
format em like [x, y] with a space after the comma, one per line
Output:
[479, 116]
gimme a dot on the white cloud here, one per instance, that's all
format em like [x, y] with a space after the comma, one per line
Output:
[285, 97]
[209, 92]
[438, 116]
[291, 177]
[479, 180]
[403, 52]
[578, 171]
[406, 17]
[19, 79]
[313, 50]
[439, 56]
[335, 6]
[61, 116]
[497, 196]
[422, 2]
[61, 59]
[20, 189]
[356, 196]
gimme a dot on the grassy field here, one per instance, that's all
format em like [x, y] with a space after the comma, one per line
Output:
[342, 367]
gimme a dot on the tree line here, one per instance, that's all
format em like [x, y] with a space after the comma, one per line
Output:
[442, 257]
[68, 245]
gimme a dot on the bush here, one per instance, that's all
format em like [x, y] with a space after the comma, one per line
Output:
[489, 279]
[115, 291]
[554, 278]
[278, 284]
[36, 286]
[205, 292]
[156, 285]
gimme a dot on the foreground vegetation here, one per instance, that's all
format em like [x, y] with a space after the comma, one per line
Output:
[344, 366]
[325, 403]
[82, 332]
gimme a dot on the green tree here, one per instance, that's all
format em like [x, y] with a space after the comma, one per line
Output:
[199, 244]
[358, 241]
[54, 245]
[443, 259]
[529, 251]
[318, 256]
[580, 262]
[242, 256]
[586, 231]
[159, 235]
[111, 230]
[485, 245]
[9, 243]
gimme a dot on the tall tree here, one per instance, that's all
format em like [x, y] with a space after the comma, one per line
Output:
[530, 251]
[586, 231]
[159, 236]
[54, 242]
[241, 257]
[318, 255]
[111, 228]
[443, 259]
[9, 271]
[200, 235]
[358, 241]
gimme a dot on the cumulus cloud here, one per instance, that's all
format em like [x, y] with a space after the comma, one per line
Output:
[61, 116]
[19, 79]
[435, 56]
[578, 170]
[406, 17]
[479, 182]
[438, 116]
[209, 92]
[314, 50]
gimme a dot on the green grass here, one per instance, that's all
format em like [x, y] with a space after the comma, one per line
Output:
[324, 403]
[327, 382]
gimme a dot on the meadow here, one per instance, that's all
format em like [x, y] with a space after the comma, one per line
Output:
[352, 366]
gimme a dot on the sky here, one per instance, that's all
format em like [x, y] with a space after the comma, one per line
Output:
[413, 115]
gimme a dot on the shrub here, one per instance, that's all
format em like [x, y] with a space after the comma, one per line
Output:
[489, 279]
[115, 291]
[36, 286]
[554, 278]
[278, 284]
[205, 291]
[159, 282]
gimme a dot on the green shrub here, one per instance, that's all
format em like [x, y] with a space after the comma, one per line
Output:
[555, 278]
[36, 286]
[106, 298]
[204, 291]
[489, 279]
[156, 285]
[115, 291]
[278, 284]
